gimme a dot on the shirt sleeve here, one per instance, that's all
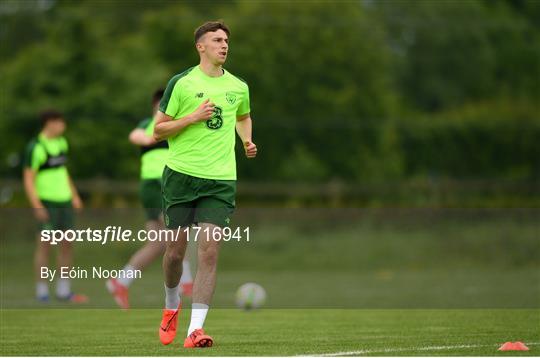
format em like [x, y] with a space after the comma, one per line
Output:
[170, 103]
[34, 156]
[243, 107]
[65, 144]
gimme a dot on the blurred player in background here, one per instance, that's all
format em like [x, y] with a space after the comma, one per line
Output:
[153, 157]
[53, 196]
[199, 112]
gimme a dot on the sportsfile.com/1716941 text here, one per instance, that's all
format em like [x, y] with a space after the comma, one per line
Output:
[119, 234]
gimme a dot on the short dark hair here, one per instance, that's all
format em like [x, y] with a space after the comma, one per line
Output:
[156, 97]
[211, 26]
[49, 115]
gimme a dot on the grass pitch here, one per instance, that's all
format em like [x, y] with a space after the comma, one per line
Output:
[111, 332]
[453, 283]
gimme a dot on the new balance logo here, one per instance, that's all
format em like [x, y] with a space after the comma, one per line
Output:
[199, 95]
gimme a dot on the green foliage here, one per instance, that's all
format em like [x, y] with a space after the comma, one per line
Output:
[495, 138]
[455, 52]
[354, 91]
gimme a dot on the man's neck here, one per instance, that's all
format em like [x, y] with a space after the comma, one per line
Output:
[210, 69]
[47, 134]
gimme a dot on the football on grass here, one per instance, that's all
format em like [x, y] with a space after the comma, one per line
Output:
[250, 296]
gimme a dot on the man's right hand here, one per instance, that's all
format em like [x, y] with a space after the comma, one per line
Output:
[166, 126]
[41, 214]
[204, 112]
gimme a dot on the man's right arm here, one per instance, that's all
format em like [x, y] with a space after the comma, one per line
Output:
[29, 178]
[166, 126]
[138, 137]
[34, 156]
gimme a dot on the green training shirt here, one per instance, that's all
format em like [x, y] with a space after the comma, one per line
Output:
[153, 157]
[205, 149]
[48, 156]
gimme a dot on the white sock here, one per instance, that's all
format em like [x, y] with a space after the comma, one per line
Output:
[125, 281]
[172, 297]
[42, 289]
[63, 287]
[186, 273]
[198, 315]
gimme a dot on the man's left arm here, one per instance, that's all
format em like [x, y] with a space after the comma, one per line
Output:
[244, 130]
[75, 198]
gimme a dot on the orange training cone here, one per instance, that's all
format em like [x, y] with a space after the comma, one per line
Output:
[514, 346]
[520, 346]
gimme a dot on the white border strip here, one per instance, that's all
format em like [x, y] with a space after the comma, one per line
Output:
[393, 350]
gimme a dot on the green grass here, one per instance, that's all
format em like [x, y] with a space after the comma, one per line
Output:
[111, 332]
[370, 283]
[380, 289]
[327, 259]
[351, 240]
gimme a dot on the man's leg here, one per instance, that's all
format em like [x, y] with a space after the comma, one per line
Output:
[62, 217]
[41, 259]
[150, 195]
[203, 287]
[186, 280]
[179, 203]
[172, 270]
[143, 257]
[150, 251]
[63, 285]
[173, 257]
[64, 259]
[213, 212]
[207, 256]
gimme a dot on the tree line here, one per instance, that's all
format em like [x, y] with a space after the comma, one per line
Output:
[358, 91]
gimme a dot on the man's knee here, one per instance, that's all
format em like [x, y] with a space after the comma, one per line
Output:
[65, 246]
[208, 255]
[174, 254]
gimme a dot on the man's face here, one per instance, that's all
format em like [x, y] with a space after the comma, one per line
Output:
[214, 46]
[56, 126]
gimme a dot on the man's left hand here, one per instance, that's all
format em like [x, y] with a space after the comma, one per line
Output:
[251, 149]
[77, 203]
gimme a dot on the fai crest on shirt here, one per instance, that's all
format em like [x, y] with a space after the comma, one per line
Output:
[231, 97]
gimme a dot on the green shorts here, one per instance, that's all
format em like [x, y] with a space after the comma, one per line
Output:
[188, 200]
[150, 193]
[60, 215]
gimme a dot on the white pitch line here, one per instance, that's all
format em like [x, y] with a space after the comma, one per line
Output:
[391, 350]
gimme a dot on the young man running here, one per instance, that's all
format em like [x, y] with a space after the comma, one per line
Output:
[199, 112]
[153, 156]
[53, 196]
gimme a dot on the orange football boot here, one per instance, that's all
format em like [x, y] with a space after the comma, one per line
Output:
[119, 292]
[74, 298]
[198, 339]
[167, 329]
[78, 298]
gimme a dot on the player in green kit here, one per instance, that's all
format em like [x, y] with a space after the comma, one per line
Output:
[199, 112]
[53, 196]
[153, 156]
